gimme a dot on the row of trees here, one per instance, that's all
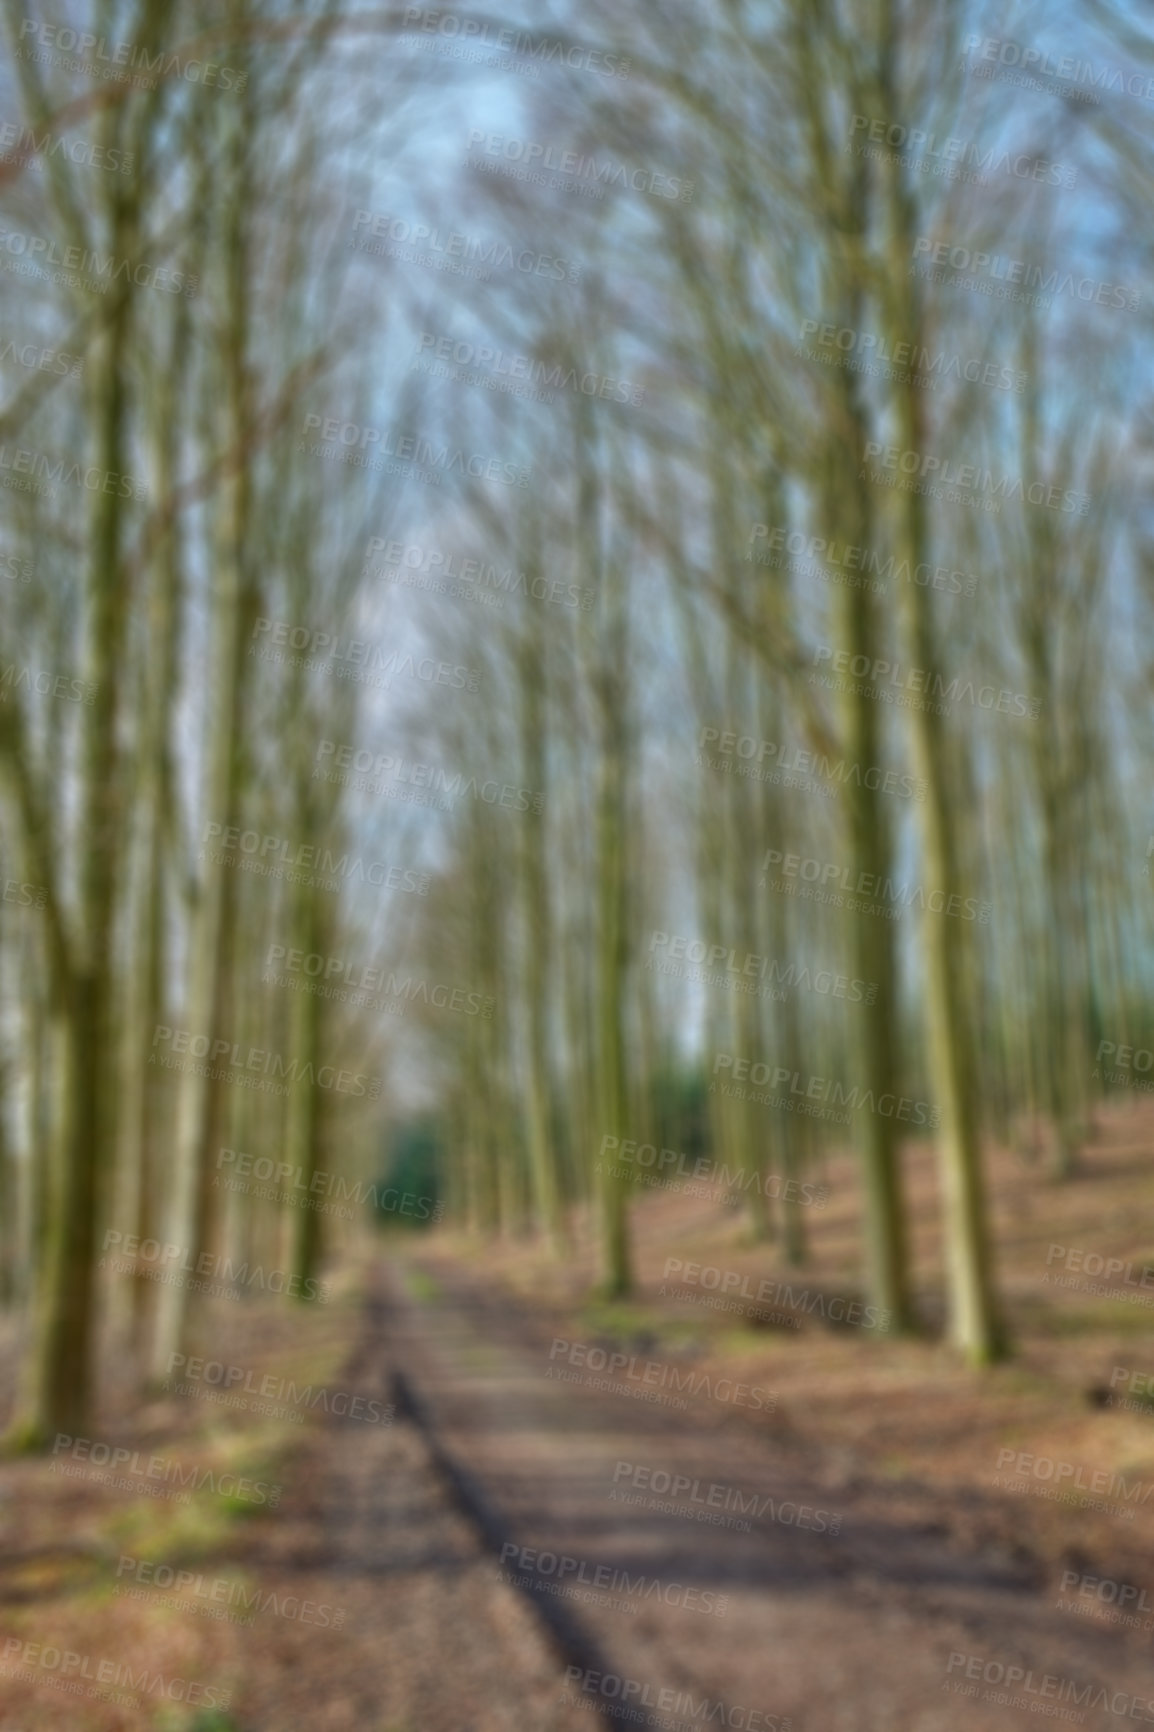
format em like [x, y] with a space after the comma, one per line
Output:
[165, 828]
[800, 363]
[324, 533]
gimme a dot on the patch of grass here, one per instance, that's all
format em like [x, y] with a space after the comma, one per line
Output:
[54, 1578]
[421, 1285]
[736, 1340]
[898, 1467]
[1107, 1316]
[170, 1719]
[193, 1529]
[24, 1438]
[619, 1318]
[680, 1336]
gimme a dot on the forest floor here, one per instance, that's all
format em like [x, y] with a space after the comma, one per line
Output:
[903, 1545]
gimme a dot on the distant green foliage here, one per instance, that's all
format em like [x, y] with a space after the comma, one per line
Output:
[681, 1109]
[409, 1189]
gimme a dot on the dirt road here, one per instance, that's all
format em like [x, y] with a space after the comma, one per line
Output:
[556, 1533]
[702, 1552]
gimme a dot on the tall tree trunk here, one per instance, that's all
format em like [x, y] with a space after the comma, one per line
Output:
[537, 936]
[974, 1324]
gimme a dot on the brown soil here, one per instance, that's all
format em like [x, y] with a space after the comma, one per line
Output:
[853, 1630]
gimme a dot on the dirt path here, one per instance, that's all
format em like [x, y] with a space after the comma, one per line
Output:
[839, 1631]
[376, 1608]
[839, 1606]
[429, 1642]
